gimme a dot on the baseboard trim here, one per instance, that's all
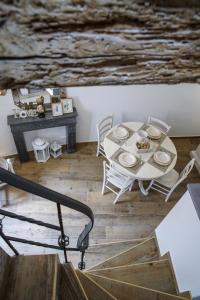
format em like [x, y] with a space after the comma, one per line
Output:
[94, 142]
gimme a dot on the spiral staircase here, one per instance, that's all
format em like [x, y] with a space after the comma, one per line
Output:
[137, 272]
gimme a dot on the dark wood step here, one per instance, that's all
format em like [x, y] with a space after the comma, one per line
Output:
[71, 287]
[98, 253]
[186, 295]
[145, 251]
[4, 269]
[92, 289]
[32, 277]
[126, 291]
[154, 275]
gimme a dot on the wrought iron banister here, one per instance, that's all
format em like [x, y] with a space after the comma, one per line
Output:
[60, 199]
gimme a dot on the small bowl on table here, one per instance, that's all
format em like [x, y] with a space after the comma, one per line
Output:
[143, 147]
[142, 141]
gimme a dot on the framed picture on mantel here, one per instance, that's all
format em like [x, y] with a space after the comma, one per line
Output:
[67, 105]
[57, 109]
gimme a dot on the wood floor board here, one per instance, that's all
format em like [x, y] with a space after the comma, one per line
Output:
[79, 175]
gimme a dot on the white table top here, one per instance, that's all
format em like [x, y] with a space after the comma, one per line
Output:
[149, 169]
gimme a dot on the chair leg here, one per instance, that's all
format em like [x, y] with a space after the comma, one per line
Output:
[97, 154]
[168, 195]
[131, 186]
[117, 198]
[103, 186]
[149, 187]
[1, 198]
[6, 196]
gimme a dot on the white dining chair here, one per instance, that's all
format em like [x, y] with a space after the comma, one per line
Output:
[169, 182]
[113, 178]
[102, 128]
[5, 164]
[164, 127]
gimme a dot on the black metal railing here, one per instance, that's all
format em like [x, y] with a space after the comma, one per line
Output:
[60, 200]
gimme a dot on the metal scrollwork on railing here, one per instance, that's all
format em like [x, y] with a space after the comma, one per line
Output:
[60, 200]
[63, 241]
[1, 223]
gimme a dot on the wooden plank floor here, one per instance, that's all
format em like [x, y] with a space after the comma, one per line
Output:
[79, 175]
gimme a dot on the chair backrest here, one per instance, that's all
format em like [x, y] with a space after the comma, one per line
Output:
[110, 171]
[103, 126]
[183, 175]
[185, 172]
[164, 127]
[188, 168]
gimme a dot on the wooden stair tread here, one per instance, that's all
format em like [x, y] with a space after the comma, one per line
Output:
[142, 252]
[71, 287]
[98, 253]
[92, 289]
[126, 291]
[32, 277]
[4, 265]
[154, 275]
[186, 295]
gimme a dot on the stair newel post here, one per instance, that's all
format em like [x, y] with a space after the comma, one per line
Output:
[81, 265]
[63, 240]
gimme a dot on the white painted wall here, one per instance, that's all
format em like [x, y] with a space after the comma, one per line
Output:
[181, 240]
[179, 105]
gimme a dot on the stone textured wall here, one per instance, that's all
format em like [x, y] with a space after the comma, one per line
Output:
[82, 42]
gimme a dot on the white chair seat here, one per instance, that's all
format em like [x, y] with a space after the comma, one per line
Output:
[169, 182]
[118, 182]
[116, 179]
[169, 179]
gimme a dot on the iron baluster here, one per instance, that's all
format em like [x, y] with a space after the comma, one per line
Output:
[63, 240]
[5, 238]
[81, 264]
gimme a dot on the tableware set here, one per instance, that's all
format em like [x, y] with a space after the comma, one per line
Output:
[154, 132]
[129, 160]
[162, 158]
[121, 133]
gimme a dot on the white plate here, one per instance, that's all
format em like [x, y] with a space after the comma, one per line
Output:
[154, 132]
[162, 158]
[127, 159]
[121, 132]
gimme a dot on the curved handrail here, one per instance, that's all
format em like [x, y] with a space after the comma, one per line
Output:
[46, 193]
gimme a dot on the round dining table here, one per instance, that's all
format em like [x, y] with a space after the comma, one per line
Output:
[147, 168]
